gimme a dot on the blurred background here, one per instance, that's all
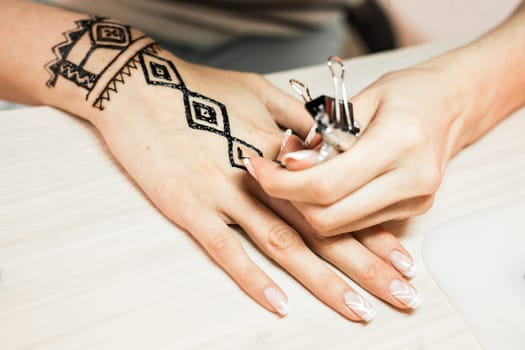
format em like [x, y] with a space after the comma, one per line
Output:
[273, 35]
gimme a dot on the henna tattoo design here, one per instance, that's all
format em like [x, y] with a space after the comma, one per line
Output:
[76, 61]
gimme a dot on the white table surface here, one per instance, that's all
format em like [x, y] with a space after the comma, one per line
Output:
[88, 263]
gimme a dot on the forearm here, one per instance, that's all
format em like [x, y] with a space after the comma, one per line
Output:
[487, 79]
[71, 61]
[29, 31]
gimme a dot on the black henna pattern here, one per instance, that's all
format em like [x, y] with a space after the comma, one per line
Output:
[72, 62]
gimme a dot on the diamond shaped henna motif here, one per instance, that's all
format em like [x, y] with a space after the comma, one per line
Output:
[159, 71]
[204, 113]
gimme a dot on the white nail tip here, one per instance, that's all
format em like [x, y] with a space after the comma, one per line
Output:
[310, 137]
[405, 294]
[286, 137]
[359, 305]
[402, 263]
[299, 155]
[248, 165]
[277, 300]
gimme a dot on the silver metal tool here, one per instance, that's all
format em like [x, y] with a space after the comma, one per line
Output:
[333, 116]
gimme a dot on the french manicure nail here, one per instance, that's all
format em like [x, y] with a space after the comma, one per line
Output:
[405, 294]
[402, 262]
[299, 155]
[359, 305]
[310, 137]
[248, 165]
[286, 137]
[278, 300]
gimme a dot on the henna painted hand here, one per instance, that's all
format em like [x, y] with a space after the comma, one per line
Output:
[162, 119]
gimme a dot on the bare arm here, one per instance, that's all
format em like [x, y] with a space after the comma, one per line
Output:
[488, 78]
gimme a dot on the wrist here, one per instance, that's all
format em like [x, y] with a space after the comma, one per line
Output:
[471, 94]
[92, 65]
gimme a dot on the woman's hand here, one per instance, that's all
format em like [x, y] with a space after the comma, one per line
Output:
[392, 172]
[189, 175]
[182, 132]
[415, 120]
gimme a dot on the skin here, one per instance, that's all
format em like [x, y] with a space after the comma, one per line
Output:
[415, 120]
[186, 172]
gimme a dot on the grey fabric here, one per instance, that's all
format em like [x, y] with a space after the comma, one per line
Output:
[263, 54]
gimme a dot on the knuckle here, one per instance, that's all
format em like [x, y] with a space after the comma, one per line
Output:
[320, 222]
[433, 180]
[247, 276]
[430, 180]
[221, 246]
[282, 237]
[425, 205]
[414, 133]
[372, 272]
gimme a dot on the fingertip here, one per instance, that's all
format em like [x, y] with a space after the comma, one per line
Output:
[277, 299]
[290, 144]
[405, 293]
[359, 306]
[299, 160]
[249, 167]
[402, 263]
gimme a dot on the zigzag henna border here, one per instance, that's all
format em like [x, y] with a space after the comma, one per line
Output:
[132, 64]
[62, 49]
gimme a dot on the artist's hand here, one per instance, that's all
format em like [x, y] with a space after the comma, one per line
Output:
[394, 169]
[188, 174]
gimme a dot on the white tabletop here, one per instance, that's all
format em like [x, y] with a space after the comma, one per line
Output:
[88, 263]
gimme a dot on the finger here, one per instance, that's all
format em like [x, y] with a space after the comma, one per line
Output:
[300, 160]
[220, 242]
[348, 171]
[286, 110]
[385, 245]
[398, 211]
[381, 284]
[371, 272]
[284, 245]
[293, 146]
[290, 143]
[375, 196]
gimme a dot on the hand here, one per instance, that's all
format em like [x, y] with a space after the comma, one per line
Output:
[182, 131]
[392, 172]
[187, 172]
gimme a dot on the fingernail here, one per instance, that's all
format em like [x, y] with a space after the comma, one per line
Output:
[299, 155]
[311, 134]
[286, 137]
[248, 165]
[278, 300]
[402, 262]
[359, 305]
[405, 294]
